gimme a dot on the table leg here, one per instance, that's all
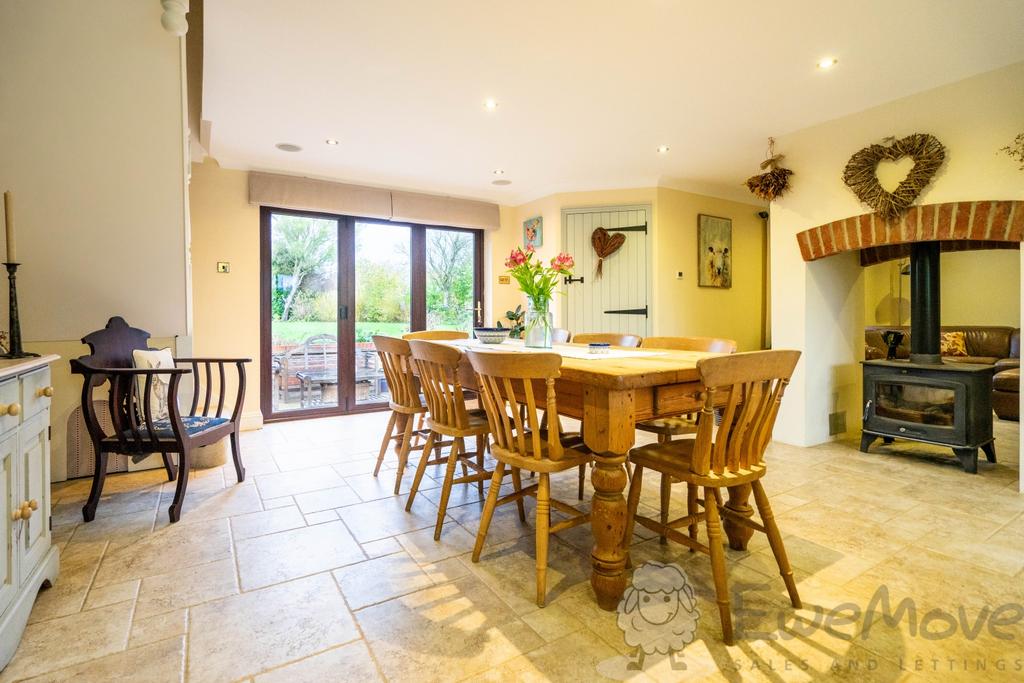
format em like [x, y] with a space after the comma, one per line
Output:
[608, 523]
[739, 503]
[608, 425]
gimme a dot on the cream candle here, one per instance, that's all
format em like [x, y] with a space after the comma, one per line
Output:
[9, 222]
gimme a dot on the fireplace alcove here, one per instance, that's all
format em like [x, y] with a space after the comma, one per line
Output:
[923, 399]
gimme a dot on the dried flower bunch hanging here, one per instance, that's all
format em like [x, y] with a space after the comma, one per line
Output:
[1016, 150]
[775, 179]
[860, 173]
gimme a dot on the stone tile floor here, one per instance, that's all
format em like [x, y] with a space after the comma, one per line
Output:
[311, 570]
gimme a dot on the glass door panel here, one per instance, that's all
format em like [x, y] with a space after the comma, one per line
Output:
[382, 300]
[451, 280]
[303, 313]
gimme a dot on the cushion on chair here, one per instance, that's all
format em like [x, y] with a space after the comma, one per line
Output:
[194, 424]
[147, 359]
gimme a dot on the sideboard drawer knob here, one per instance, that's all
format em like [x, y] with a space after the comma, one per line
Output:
[44, 391]
[14, 409]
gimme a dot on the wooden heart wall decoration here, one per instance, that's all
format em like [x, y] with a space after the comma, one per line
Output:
[860, 174]
[605, 244]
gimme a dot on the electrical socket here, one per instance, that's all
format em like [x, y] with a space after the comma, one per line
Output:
[223, 267]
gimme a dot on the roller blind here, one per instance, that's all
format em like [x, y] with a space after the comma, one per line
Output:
[435, 210]
[307, 194]
[293, 192]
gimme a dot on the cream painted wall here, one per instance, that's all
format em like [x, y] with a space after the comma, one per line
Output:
[819, 307]
[679, 307]
[978, 288]
[226, 306]
[93, 151]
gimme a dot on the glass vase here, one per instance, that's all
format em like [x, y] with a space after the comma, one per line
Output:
[538, 324]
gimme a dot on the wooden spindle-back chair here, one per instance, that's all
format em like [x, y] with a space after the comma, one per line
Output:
[437, 366]
[514, 388]
[436, 335]
[748, 387]
[406, 403]
[613, 338]
[679, 425]
[138, 428]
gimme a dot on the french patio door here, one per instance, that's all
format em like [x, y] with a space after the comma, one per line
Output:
[330, 283]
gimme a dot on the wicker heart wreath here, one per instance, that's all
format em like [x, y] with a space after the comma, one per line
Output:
[605, 244]
[925, 150]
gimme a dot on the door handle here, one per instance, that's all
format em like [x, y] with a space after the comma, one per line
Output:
[479, 314]
[342, 312]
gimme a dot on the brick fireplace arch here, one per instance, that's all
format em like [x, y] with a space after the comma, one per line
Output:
[957, 226]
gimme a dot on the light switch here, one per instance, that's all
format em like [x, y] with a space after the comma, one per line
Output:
[504, 279]
[679, 275]
[223, 267]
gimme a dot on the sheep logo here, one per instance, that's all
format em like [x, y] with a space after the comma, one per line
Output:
[658, 613]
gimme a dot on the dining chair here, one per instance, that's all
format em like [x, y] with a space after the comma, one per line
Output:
[437, 366]
[612, 338]
[508, 381]
[749, 388]
[560, 335]
[679, 425]
[436, 335]
[406, 403]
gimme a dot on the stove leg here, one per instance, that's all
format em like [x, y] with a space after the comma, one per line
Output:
[888, 440]
[990, 451]
[865, 441]
[968, 457]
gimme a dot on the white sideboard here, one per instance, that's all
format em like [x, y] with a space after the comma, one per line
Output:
[27, 560]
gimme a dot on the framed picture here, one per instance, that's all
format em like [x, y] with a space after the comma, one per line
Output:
[714, 251]
[533, 232]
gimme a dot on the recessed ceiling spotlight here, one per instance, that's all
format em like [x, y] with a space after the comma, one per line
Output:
[662, 149]
[288, 147]
[331, 141]
[827, 62]
[501, 182]
[499, 171]
[490, 104]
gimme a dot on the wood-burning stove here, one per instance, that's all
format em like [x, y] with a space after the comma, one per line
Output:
[925, 399]
[948, 404]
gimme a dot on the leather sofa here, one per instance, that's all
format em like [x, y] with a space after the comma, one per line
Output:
[986, 345]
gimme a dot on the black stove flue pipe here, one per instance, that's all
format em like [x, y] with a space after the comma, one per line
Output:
[924, 303]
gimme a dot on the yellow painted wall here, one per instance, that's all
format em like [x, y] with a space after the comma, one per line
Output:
[683, 308]
[226, 306]
[679, 307]
[977, 288]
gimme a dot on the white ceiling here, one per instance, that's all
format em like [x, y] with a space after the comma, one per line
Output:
[587, 88]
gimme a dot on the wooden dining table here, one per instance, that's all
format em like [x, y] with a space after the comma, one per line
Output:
[610, 394]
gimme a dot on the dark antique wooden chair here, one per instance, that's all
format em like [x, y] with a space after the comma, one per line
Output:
[135, 431]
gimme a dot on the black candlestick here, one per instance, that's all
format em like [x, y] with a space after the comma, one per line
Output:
[16, 350]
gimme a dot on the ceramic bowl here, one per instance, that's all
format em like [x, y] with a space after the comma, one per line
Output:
[491, 335]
